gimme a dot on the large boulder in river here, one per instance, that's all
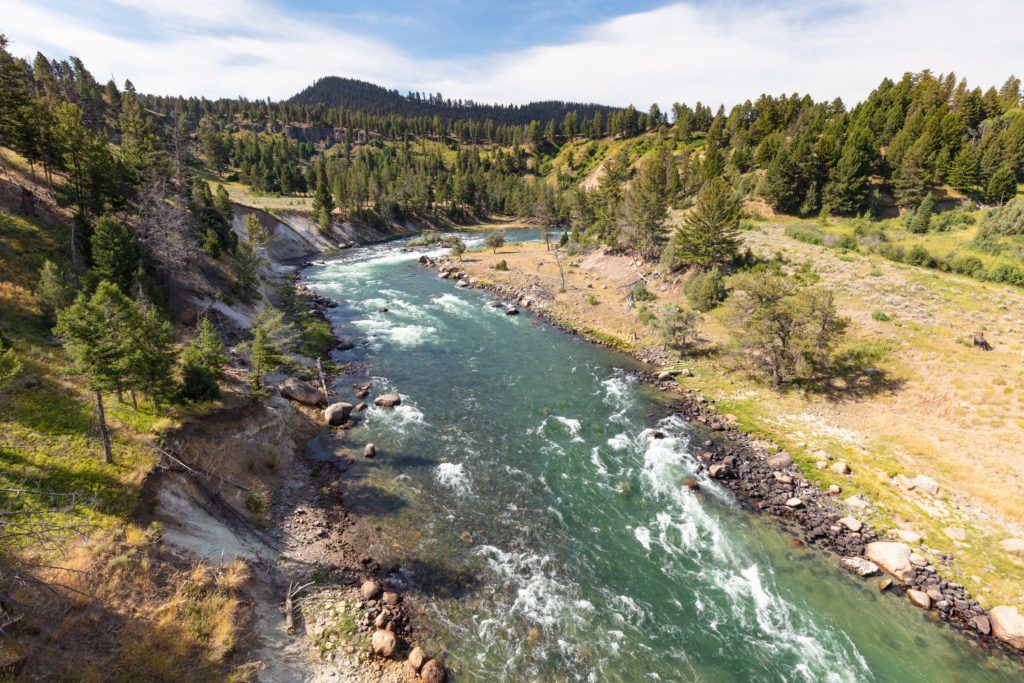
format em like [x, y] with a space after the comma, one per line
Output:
[303, 392]
[892, 557]
[337, 413]
[384, 643]
[1007, 625]
[388, 400]
[432, 672]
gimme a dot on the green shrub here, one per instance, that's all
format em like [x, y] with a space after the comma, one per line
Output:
[880, 315]
[646, 316]
[641, 293]
[1008, 274]
[197, 384]
[806, 234]
[257, 502]
[501, 265]
[705, 289]
[919, 256]
[893, 252]
[592, 300]
[970, 266]
[847, 243]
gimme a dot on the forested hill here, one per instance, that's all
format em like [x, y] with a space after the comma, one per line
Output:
[356, 95]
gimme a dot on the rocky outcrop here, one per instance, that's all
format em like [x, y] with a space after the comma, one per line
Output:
[337, 413]
[300, 391]
[1007, 625]
[892, 557]
[388, 400]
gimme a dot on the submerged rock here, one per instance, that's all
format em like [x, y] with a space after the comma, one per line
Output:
[860, 566]
[388, 400]
[300, 391]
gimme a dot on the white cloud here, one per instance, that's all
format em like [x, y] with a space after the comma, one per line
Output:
[715, 52]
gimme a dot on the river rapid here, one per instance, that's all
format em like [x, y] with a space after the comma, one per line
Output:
[523, 501]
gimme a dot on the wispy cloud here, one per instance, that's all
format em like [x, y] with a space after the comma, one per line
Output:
[716, 52]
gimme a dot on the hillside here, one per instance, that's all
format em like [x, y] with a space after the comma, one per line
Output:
[368, 98]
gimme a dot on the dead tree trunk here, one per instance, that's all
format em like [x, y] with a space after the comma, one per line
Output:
[108, 456]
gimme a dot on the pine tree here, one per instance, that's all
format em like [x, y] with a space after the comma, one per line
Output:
[709, 234]
[1001, 186]
[152, 355]
[271, 335]
[646, 206]
[115, 254]
[207, 351]
[963, 172]
[10, 366]
[54, 291]
[255, 231]
[847, 188]
[913, 176]
[97, 334]
[923, 216]
[247, 269]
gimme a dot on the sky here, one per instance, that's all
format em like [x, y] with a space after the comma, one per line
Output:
[604, 51]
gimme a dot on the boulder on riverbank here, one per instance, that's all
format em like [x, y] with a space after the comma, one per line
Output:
[337, 413]
[1007, 625]
[432, 672]
[384, 643]
[892, 557]
[300, 391]
[919, 598]
[388, 400]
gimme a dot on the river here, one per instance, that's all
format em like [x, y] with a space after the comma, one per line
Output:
[547, 536]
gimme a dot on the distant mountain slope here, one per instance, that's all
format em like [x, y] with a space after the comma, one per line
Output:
[334, 91]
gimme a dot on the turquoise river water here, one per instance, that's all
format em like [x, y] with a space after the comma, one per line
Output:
[547, 536]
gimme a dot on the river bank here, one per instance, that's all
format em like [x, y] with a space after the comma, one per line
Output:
[761, 474]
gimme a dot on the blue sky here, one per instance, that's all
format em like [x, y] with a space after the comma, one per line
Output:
[717, 51]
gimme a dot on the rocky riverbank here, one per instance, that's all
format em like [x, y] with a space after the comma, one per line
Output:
[766, 479]
[356, 621]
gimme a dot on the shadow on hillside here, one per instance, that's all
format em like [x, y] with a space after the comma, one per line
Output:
[851, 380]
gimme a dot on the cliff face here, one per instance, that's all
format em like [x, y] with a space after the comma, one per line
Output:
[294, 235]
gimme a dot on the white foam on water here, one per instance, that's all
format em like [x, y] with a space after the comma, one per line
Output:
[453, 476]
[455, 305]
[399, 419]
[620, 442]
[643, 536]
[411, 335]
[595, 457]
